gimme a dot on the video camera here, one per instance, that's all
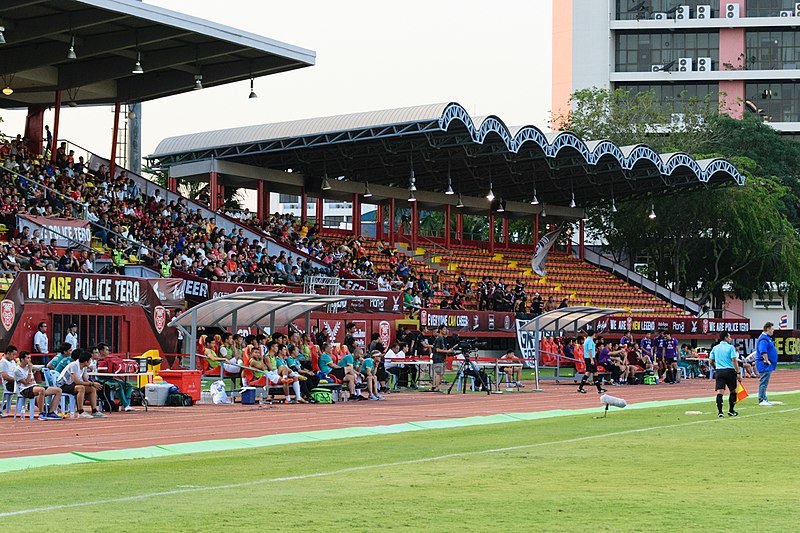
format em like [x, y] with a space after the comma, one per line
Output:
[468, 346]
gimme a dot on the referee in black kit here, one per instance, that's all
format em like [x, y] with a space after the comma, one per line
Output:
[724, 360]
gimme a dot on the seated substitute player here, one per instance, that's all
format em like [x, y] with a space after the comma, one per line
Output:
[514, 373]
[28, 388]
[74, 379]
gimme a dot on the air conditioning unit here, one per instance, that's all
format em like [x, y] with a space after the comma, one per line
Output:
[787, 13]
[684, 64]
[682, 13]
[731, 11]
[704, 64]
[659, 16]
[703, 11]
[656, 68]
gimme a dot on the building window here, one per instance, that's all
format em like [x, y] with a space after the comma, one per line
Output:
[773, 50]
[674, 94]
[638, 52]
[288, 199]
[768, 8]
[648, 7]
[776, 102]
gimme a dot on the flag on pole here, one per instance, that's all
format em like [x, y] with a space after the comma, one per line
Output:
[741, 393]
[540, 255]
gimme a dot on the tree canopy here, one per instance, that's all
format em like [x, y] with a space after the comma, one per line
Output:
[709, 240]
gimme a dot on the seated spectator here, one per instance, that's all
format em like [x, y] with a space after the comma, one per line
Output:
[28, 388]
[514, 373]
[367, 370]
[62, 358]
[74, 379]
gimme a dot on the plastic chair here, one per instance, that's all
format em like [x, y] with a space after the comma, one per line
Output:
[20, 408]
[51, 380]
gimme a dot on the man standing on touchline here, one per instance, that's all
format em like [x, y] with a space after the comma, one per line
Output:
[766, 361]
[724, 359]
[589, 359]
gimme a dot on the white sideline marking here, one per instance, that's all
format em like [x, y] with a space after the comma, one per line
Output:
[366, 467]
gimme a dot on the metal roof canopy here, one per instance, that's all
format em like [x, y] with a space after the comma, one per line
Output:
[575, 317]
[174, 48]
[251, 309]
[442, 141]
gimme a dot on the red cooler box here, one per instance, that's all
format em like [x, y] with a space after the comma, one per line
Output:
[187, 381]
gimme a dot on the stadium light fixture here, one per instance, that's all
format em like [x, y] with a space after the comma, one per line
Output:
[544, 213]
[460, 203]
[449, 190]
[535, 199]
[198, 82]
[613, 205]
[326, 185]
[71, 52]
[367, 192]
[652, 214]
[411, 197]
[137, 67]
[490, 194]
[252, 92]
[501, 207]
[2, 37]
[8, 91]
[572, 202]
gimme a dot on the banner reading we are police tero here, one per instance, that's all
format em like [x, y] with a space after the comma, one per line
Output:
[68, 232]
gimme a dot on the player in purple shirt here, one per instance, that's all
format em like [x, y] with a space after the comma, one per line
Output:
[646, 345]
[671, 358]
[626, 339]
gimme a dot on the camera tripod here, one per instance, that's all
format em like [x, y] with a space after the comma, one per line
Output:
[479, 376]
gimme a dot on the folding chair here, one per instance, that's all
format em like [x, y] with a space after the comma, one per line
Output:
[51, 380]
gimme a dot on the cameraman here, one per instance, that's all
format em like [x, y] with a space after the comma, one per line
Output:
[441, 349]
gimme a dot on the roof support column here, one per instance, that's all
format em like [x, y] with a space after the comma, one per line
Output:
[447, 216]
[56, 122]
[112, 166]
[213, 191]
[34, 128]
[260, 201]
[379, 223]
[505, 232]
[460, 228]
[303, 206]
[320, 206]
[581, 240]
[391, 222]
[356, 214]
[491, 234]
[535, 236]
[414, 226]
[172, 184]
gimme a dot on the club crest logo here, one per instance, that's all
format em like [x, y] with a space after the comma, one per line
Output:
[7, 314]
[160, 318]
[385, 332]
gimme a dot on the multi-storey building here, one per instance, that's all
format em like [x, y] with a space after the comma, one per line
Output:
[745, 51]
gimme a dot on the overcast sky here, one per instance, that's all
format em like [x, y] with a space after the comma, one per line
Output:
[491, 57]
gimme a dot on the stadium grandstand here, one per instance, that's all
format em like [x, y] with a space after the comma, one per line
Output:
[69, 212]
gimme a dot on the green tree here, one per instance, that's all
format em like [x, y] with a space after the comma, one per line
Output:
[704, 240]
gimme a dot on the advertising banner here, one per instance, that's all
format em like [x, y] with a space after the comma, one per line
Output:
[463, 322]
[526, 344]
[678, 325]
[66, 231]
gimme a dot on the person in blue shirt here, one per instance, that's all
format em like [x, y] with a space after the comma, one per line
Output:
[590, 359]
[766, 361]
[725, 360]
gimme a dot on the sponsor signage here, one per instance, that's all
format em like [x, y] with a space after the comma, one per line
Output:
[526, 344]
[680, 325]
[67, 232]
[468, 321]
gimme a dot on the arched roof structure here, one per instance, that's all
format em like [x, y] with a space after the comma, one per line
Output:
[440, 142]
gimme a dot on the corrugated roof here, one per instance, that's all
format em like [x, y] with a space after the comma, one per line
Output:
[298, 128]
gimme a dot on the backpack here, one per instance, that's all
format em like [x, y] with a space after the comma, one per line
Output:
[649, 379]
[177, 399]
[321, 395]
[137, 397]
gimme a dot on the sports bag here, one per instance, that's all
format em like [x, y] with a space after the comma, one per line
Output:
[321, 395]
[177, 399]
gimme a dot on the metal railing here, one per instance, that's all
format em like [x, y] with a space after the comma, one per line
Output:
[637, 279]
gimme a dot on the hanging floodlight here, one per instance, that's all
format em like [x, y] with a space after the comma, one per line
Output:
[367, 192]
[137, 67]
[252, 92]
[460, 203]
[71, 52]
[490, 194]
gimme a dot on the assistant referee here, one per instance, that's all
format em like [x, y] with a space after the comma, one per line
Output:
[724, 360]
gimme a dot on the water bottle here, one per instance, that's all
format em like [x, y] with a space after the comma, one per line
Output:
[655, 374]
